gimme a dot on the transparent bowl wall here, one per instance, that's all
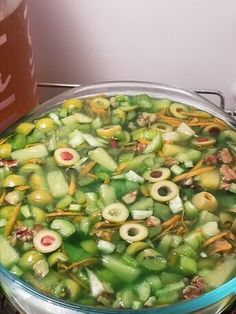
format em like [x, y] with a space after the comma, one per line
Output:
[29, 301]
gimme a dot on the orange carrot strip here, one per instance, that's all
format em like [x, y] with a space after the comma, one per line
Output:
[171, 221]
[215, 238]
[87, 168]
[198, 114]
[22, 187]
[121, 167]
[192, 173]
[198, 164]
[10, 223]
[92, 175]
[144, 141]
[61, 214]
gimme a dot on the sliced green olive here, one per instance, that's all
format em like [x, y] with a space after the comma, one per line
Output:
[213, 129]
[25, 128]
[164, 191]
[46, 241]
[205, 201]
[133, 232]
[176, 109]
[37, 182]
[57, 257]
[30, 258]
[156, 175]
[99, 102]
[5, 151]
[45, 124]
[13, 180]
[39, 197]
[108, 132]
[203, 141]
[151, 260]
[66, 156]
[115, 212]
[163, 127]
[73, 104]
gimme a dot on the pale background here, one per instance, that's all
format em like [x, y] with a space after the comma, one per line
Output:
[190, 43]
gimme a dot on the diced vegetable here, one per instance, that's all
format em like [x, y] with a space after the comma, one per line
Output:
[8, 255]
[36, 151]
[103, 158]
[57, 183]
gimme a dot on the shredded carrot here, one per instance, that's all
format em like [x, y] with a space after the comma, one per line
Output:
[161, 154]
[192, 173]
[144, 141]
[163, 233]
[92, 175]
[200, 123]
[198, 164]
[2, 196]
[10, 223]
[72, 186]
[221, 246]
[22, 187]
[85, 262]
[121, 167]
[220, 122]
[172, 221]
[85, 169]
[62, 214]
[215, 238]
[198, 114]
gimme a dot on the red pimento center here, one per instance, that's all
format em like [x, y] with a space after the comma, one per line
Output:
[202, 139]
[66, 156]
[47, 240]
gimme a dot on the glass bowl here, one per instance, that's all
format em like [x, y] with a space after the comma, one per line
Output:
[27, 300]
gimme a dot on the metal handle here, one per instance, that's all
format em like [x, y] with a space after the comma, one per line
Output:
[215, 93]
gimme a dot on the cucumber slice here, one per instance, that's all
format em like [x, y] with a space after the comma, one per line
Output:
[8, 255]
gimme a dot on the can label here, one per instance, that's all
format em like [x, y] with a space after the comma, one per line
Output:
[18, 90]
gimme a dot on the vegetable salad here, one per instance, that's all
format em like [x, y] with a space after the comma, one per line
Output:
[120, 201]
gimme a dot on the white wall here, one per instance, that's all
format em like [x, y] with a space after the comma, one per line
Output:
[191, 43]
